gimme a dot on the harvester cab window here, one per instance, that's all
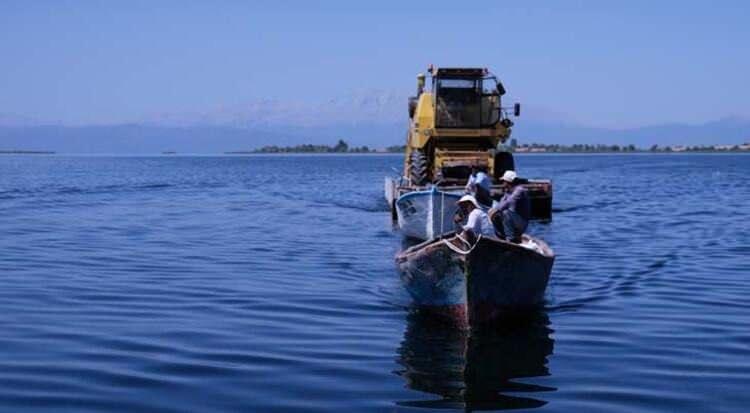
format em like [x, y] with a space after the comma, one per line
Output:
[458, 102]
[490, 102]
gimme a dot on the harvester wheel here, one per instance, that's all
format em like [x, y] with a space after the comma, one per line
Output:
[418, 167]
[503, 162]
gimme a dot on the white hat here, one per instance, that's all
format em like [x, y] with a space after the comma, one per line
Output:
[509, 176]
[468, 198]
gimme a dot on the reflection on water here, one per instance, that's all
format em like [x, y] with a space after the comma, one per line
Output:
[475, 371]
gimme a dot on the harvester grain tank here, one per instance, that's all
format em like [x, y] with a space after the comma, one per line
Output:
[456, 126]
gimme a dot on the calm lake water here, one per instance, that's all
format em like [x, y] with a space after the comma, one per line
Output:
[267, 283]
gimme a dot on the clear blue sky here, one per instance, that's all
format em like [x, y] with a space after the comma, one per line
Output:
[602, 63]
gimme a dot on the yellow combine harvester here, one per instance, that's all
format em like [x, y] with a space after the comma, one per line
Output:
[456, 126]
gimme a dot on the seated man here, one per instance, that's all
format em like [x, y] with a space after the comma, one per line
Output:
[511, 215]
[480, 185]
[477, 223]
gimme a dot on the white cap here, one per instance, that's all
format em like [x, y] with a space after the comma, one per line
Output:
[509, 176]
[468, 198]
[484, 181]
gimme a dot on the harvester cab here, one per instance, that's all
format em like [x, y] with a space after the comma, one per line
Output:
[456, 126]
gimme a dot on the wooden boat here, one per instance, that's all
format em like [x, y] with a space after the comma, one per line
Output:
[427, 214]
[476, 284]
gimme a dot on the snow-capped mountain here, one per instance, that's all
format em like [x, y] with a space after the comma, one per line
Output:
[376, 118]
[365, 106]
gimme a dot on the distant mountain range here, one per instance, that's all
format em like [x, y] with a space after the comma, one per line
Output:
[374, 118]
[729, 130]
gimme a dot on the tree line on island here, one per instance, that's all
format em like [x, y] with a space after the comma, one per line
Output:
[343, 147]
[599, 148]
[340, 147]
[24, 152]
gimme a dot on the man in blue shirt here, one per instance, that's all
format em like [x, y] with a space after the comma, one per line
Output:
[480, 185]
[511, 215]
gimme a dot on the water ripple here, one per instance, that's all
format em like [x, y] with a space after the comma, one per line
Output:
[267, 284]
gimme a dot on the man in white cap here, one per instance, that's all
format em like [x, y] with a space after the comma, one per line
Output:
[477, 223]
[511, 215]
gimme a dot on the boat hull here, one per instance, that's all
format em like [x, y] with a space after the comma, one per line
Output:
[427, 214]
[476, 286]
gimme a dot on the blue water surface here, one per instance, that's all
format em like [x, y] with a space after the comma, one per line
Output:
[267, 283]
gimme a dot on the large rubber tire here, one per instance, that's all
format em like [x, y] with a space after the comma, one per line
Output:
[503, 162]
[418, 167]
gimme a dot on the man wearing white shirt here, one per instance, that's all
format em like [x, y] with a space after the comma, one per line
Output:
[477, 223]
[480, 185]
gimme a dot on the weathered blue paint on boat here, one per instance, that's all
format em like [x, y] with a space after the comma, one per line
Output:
[426, 214]
[476, 285]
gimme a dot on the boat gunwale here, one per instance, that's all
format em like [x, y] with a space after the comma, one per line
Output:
[546, 252]
[412, 194]
[450, 188]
